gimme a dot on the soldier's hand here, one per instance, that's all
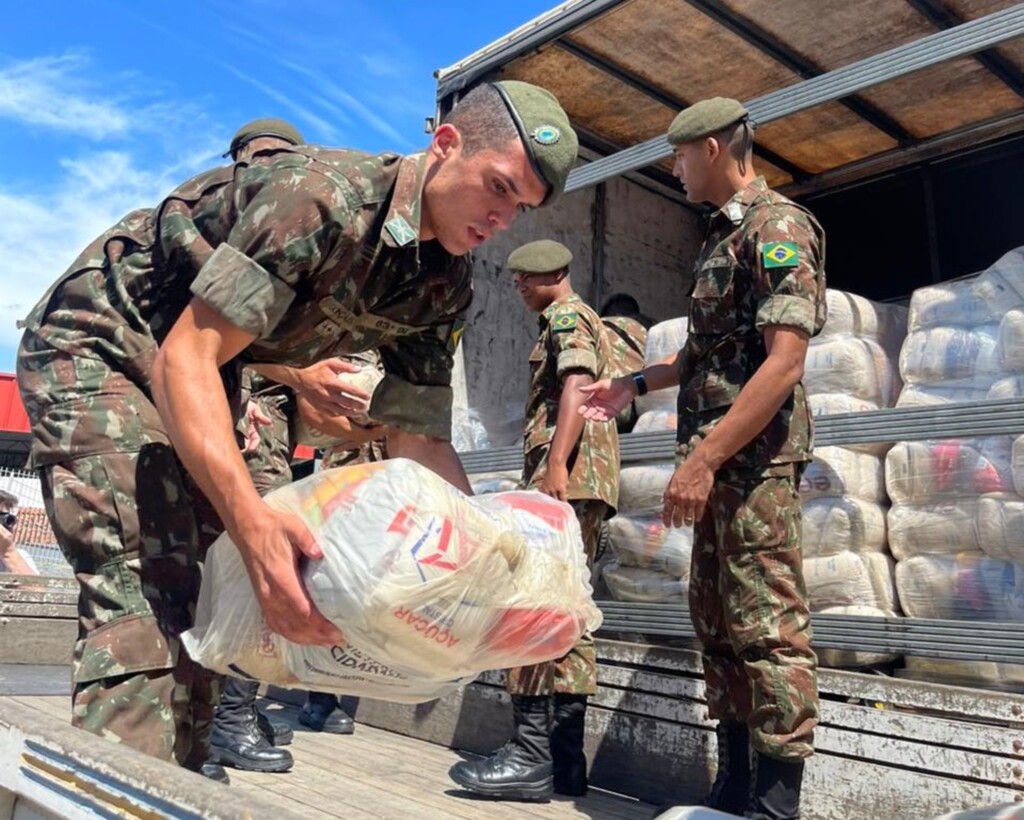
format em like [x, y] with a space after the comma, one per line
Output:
[686, 495]
[257, 419]
[323, 385]
[556, 482]
[272, 547]
[606, 398]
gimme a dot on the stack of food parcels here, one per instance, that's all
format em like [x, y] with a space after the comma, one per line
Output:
[956, 524]
[657, 410]
[850, 367]
[428, 587]
[646, 561]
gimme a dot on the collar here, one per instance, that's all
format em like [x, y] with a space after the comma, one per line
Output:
[739, 203]
[402, 224]
[554, 307]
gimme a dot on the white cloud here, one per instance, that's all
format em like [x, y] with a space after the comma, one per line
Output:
[343, 97]
[299, 111]
[48, 91]
[41, 234]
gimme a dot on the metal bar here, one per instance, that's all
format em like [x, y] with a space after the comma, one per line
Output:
[967, 38]
[536, 33]
[753, 34]
[965, 420]
[943, 18]
[952, 640]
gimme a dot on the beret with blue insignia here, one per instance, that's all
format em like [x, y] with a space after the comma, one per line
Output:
[265, 127]
[542, 256]
[705, 118]
[550, 142]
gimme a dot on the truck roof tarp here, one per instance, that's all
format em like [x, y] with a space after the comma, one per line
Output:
[624, 68]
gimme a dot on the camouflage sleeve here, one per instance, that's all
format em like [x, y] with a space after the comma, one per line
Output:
[416, 393]
[574, 342]
[790, 272]
[290, 220]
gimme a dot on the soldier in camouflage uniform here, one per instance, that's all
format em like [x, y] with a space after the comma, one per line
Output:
[572, 460]
[745, 436]
[128, 371]
[628, 335]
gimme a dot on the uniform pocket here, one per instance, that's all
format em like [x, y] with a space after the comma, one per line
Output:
[713, 301]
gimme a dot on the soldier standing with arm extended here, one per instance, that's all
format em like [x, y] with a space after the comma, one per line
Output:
[572, 460]
[745, 436]
[303, 254]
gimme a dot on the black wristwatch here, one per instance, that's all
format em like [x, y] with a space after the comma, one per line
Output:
[640, 382]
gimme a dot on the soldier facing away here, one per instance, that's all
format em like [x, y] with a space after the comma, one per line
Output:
[744, 438]
[572, 460]
[128, 369]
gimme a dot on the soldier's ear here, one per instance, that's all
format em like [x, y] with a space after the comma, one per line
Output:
[445, 141]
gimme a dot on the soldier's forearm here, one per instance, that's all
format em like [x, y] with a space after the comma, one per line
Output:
[569, 424]
[433, 453]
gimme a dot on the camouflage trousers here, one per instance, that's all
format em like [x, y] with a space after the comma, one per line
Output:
[135, 530]
[748, 603]
[575, 673]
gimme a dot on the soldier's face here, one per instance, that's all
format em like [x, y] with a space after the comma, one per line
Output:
[692, 168]
[468, 199]
[536, 289]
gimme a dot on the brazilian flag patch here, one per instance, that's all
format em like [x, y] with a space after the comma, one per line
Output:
[781, 255]
[564, 321]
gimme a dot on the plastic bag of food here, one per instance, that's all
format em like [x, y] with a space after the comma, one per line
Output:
[429, 587]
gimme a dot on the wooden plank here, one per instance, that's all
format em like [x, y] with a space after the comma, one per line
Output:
[19, 609]
[36, 640]
[836, 788]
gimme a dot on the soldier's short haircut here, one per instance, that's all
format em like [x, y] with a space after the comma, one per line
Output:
[7, 499]
[483, 120]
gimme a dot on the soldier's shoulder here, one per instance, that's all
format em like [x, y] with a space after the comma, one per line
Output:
[778, 217]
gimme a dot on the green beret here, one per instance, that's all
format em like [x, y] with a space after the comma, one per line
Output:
[704, 118]
[542, 256]
[544, 128]
[266, 127]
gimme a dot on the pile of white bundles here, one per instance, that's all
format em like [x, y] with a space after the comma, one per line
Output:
[657, 410]
[428, 587]
[956, 524]
[850, 367]
[649, 562]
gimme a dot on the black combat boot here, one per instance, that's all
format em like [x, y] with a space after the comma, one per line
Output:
[215, 772]
[568, 762]
[776, 794]
[521, 769]
[323, 713]
[731, 790]
[277, 732]
[236, 739]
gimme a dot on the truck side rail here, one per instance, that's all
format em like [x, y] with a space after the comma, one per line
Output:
[1000, 642]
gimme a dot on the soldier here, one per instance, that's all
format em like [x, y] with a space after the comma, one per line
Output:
[574, 461]
[628, 327]
[128, 370]
[744, 438]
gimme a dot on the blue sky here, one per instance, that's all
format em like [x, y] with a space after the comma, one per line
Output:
[105, 106]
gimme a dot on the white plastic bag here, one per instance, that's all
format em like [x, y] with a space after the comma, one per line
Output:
[429, 587]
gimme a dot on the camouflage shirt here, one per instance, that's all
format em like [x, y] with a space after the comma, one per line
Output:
[762, 264]
[572, 339]
[313, 251]
[629, 344]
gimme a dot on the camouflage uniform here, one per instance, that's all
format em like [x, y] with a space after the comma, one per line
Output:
[761, 265]
[316, 253]
[629, 350]
[270, 463]
[571, 340]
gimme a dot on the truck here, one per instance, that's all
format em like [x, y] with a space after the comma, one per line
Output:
[900, 124]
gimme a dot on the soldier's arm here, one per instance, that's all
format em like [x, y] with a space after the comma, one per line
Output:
[322, 384]
[433, 453]
[188, 392]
